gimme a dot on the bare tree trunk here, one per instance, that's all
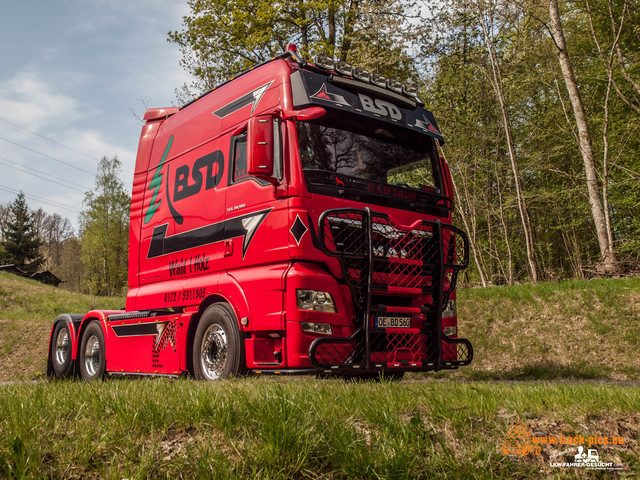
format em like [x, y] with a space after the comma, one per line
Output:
[610, 81]
[348, 27]
[331, 21]
[608, 258]
[522, 206]
[471, 235]
[504, 227]
[304, 28]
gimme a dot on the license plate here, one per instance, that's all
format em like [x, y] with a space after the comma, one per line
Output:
[392, 322]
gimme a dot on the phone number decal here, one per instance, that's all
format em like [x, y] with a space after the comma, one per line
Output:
[185, 295]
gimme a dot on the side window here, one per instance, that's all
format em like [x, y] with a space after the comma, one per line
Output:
[240, 157]
[238, 170]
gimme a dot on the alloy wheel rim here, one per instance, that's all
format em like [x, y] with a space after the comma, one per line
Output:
[62, 346]
[92, 355]
[213, 352]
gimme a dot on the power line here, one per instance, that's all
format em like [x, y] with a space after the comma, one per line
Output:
[48, 156]
[40, 199]
[48, 177]
[57, 143]
[50, 139]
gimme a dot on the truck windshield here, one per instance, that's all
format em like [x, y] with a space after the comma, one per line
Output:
[380, 160]
[381, 156]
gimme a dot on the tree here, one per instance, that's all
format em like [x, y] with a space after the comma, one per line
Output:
[70, 267]
[586, 148]
[487, 23]
[21, 244]
[221, 38]
[104, 231]
[5, 214]
[53, 231]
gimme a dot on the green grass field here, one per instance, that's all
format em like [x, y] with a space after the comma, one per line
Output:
[303, 428]
[559, 359]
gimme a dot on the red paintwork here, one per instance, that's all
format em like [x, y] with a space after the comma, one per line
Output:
[261, 285]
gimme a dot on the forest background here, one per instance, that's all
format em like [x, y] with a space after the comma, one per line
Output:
[538, 101]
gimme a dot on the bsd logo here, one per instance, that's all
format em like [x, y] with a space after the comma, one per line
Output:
[213, 166]
[382, 108]
[206, 172]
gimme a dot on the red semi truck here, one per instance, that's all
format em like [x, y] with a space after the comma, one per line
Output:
[295, 219]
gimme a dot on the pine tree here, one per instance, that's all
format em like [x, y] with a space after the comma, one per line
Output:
[21, 245]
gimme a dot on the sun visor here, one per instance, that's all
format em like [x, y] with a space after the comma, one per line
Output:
[349, 95]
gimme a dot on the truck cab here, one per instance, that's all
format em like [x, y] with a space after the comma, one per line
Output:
[295, 219]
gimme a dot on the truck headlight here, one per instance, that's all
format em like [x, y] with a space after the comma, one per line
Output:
[323, 328]
[449, 331]
[449, 309]
[315, 300]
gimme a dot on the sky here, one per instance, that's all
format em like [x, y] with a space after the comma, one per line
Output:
[75, 78]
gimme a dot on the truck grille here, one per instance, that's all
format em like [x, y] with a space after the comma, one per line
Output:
[404, 259]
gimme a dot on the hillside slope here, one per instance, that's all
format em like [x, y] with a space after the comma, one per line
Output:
[575, 329]
[578, 328]
[27, 310]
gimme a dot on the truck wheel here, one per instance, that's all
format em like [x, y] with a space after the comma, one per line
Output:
[61, 350]
[218, 349]
[92, 353]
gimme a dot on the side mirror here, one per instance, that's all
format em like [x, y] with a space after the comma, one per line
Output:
[306, 114]
[260, 147]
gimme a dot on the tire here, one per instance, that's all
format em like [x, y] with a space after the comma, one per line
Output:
[92, 353]
[218, 348]
[60, 353]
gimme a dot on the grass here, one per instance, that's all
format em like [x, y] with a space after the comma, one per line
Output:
[439, 425]
[25, 299]
[301, 428]
[585, 329]
[27, 310]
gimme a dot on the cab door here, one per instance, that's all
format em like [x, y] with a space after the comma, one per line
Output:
[184, 230]
[258, 256]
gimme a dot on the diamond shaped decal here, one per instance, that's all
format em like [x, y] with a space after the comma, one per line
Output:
[298, 229]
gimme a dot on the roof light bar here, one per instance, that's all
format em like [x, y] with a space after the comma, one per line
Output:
[326, 62]
[379, 80]
[394, 85]
[343, 68]
[362, 74]
[410, 90]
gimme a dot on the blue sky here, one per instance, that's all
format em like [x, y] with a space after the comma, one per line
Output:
[72, 73]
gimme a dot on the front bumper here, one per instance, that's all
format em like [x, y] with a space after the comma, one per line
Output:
[407, 349]
[383, 260]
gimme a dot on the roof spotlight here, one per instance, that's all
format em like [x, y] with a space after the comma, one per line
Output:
[394, 85]
[362, 74]
[343, 68]
[325, 61]
[378, 80]
[410, 90]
